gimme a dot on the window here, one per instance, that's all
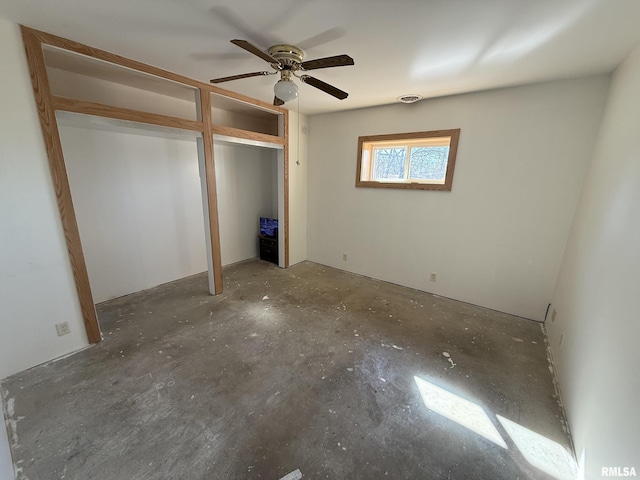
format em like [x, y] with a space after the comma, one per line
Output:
[418, 160]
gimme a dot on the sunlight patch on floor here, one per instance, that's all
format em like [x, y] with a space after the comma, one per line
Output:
[541, 452]
[468, 414]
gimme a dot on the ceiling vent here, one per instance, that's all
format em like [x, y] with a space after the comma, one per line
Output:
[411, 98]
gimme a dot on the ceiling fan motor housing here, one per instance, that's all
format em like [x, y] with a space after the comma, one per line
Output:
[290, 57]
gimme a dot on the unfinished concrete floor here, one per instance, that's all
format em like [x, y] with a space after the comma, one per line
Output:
[307, 368]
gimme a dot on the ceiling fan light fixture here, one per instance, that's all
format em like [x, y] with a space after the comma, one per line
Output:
[285, 90]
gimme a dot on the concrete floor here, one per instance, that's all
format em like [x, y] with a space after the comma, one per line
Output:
[307, 368]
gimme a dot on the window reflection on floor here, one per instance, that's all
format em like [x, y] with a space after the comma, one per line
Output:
[541, 452]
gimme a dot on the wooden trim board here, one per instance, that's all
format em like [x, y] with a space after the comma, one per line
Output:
[99, 54]
[212, 194]
[70, 45]
[286, 187]
[101, 110]
[239, 133]
[44, 103]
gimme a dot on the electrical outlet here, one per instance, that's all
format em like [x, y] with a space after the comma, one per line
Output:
[63, 328]
[561, 340]
[344, 257]
[553, 315]
[434, 276]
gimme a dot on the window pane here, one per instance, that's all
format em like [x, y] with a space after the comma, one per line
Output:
[388, 163]
[428, 163]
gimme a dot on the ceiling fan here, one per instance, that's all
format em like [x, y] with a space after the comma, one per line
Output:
[287, 60]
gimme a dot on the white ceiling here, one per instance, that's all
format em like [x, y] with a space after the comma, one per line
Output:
[428, 47]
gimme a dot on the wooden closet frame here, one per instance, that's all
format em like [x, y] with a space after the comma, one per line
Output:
[48, 104]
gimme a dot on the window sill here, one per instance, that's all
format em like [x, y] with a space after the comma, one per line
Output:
[404, 185]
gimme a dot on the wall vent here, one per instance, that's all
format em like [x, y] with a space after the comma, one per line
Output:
[410, 98]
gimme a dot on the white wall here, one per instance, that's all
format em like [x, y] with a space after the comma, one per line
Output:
[139, 208]
[497, 238]
[298, 150]
[6, 464]
[596, 298]
[36, 284]
[245, 185]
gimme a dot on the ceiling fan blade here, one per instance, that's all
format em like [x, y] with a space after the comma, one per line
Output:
[321, 38]
[229, 18]
[325, 87]
[237, 77]
[277, 102]
[337, 61]
[249, 47]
